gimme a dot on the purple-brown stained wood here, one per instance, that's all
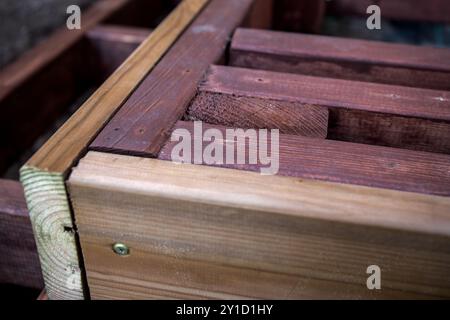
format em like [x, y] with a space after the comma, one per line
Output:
[113, 44]
[248, 112]
[143, 123]
[333, 57]
[19, 264]
[395, 116]
[337, 161]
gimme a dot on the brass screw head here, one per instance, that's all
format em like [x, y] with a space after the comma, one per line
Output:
[121, 249]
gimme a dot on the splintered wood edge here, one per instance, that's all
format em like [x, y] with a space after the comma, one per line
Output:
[43, 176]
[342, 203]
[54, 232]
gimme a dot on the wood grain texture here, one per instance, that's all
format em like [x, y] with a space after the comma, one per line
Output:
[143, 124]
[113, 44]
[334, 57]
[55, 233]
[370, 113]
[44, 174]
[410, 10]
[197, 231]
[19, 264]
[336, 161]
[256, 113]
[299, 15]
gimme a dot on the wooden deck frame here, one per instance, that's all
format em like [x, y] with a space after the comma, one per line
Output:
[133, 199]
[43, 176]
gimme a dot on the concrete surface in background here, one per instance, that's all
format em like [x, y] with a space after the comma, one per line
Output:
[23, 23]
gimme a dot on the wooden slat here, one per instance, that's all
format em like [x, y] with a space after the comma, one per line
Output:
[44, 174]
[113, 44]
[410, 10]
[143, 123]
[338, 161]
[270, 237]
[299, 15]
[256, 113]
[394, 116]
[19, 264]
[39, 87]
[334, 57]
[34, 60]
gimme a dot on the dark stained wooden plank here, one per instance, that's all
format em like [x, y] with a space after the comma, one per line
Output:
[143, 123]
[257, 113]
[334, 57]
[31, 108]
[34, 60]
[395, 116]
[344, 162]
[19, 264]
[113, 44]
[410, 10]
[39, 86]
[299, 15]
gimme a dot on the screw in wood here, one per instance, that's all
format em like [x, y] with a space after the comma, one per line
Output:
[121, 249]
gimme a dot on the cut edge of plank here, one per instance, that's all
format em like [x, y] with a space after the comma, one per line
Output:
[54, 232]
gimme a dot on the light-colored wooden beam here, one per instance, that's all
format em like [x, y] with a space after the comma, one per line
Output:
[197, 231]
[44, 174]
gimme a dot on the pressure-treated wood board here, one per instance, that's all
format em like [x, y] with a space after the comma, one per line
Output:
[44, 174]
[410, 10]
[386, 115]
[218, 233]
[19, 264]
[327, 160]
[333, 57]
[143, 124]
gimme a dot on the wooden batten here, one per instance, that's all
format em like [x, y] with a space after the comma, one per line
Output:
[256, 113]
[44, 174]
[369, 113]
[334, 161]
[342, 58]
[143, 124]
[194, 227]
